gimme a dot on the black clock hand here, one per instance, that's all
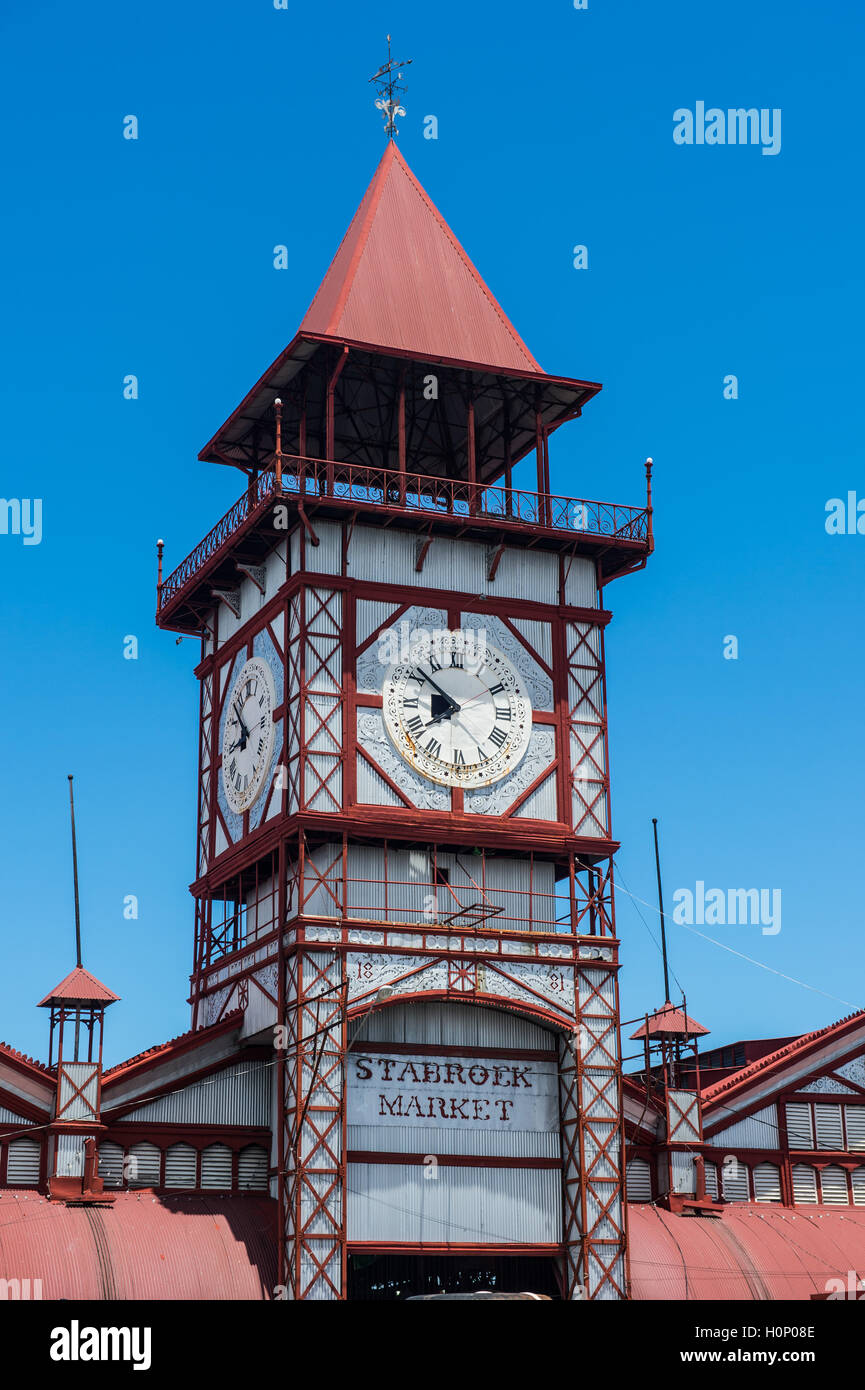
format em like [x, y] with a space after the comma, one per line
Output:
[244, 730]
[451, 701]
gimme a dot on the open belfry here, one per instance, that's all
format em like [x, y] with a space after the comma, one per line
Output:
[403, 1075]
[405, 845]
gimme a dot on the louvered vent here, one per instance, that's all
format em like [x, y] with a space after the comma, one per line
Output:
[142, 1166]
[804, 1185]
[22, 1163]
[828, 1125]
[854, 1118]
[712, 1180]
[734, 1176]
[767, 1183]
[111, 1164]
[833, 1187]
[639, 1181]
[216, 1166]
[180, 1166]
[252, 1168]
[799, 1131]
[857, 1182]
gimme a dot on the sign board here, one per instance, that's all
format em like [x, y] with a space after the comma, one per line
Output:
[455, 1092]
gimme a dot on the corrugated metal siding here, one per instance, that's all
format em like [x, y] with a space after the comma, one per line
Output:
[639, 1181]
[734, 1181]
[75, 1077]
[456, 1025]
[9, 1117]
[804, 1185]
[238, 1095]
[143, 1163]
[833, 1187]
[111, 1164]
[857, 1182]
[416, 1139]
[181, 1166]
[389, 1202]
[216, 1166]
[767, 1183]
[580, 583]
[712, 1179]
[758, 1131]
[22, 1162]
[800, 1132]
[70, 1155]
[456, 566]
[252, 1169]
[854, 1119]
[684, 1173]
[326, 557]
[827, 1122]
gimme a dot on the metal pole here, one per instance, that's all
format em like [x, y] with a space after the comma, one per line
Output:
[75, 876]
[661, 907]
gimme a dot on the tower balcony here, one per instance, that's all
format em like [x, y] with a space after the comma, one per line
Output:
[295, 489]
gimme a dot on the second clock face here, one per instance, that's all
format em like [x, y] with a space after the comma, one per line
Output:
[247, 738]
[459, 714]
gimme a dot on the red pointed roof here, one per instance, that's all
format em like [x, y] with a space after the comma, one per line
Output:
[401, 280]
[668, 1021]
[79, 987]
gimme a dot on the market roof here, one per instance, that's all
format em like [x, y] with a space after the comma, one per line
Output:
[668, 1021]
[774, 1061]
[746, 1252]
[79, 987]
[401, 280]
[142, 1246]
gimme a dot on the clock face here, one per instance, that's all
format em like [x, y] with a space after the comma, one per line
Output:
[247, 738]
[459, 713]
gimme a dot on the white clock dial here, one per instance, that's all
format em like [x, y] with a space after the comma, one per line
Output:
[459, 714]
[248, 734]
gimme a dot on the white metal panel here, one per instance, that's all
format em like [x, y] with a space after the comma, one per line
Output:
[370, 615]
[181, 1164]
[581, 590]
[833, 1187]
[326, 557]
[406, 1139]
[111, 1164]
[639, 1181]
[712, 1180]
[827, 1123]
[804, 1185]
[77, 1090]
[237, 1095]
[767, 1183]
[392, 1202]
[456, 1025]
[252, 1169]
[538, 635]
[758, 1131]
[9, 1117]
[22, 1162]
[70, 1155]
[854, 1120]
[684, 1173]
[800, 1132]
[857, 1181]
[143, 1165]
[216, 1166]
[734, 1180]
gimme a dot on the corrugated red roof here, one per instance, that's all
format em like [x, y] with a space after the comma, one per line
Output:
[773, 1060]
[79, 986]
[672, 1022]
[401, 280]
[20, 1059]
[192, 1247]
[749, 1252]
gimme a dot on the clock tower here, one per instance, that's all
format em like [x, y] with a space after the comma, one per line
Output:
[404, 848]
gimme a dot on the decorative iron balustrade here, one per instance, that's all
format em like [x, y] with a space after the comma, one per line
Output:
[319, 479]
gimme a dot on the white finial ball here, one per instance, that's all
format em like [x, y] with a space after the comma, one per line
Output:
[650, 460]
[160, 542]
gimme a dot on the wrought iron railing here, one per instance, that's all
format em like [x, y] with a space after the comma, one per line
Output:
[318, 479]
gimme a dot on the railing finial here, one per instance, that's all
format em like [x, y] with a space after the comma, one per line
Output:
[650, 537]
[160, 546]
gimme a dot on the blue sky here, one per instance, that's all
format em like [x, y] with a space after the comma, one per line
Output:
[154, 257]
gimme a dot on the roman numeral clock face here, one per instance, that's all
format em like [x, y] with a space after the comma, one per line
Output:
[459, 713]
[248, 734]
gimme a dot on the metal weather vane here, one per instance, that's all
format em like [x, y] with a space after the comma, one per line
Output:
[390, 89]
